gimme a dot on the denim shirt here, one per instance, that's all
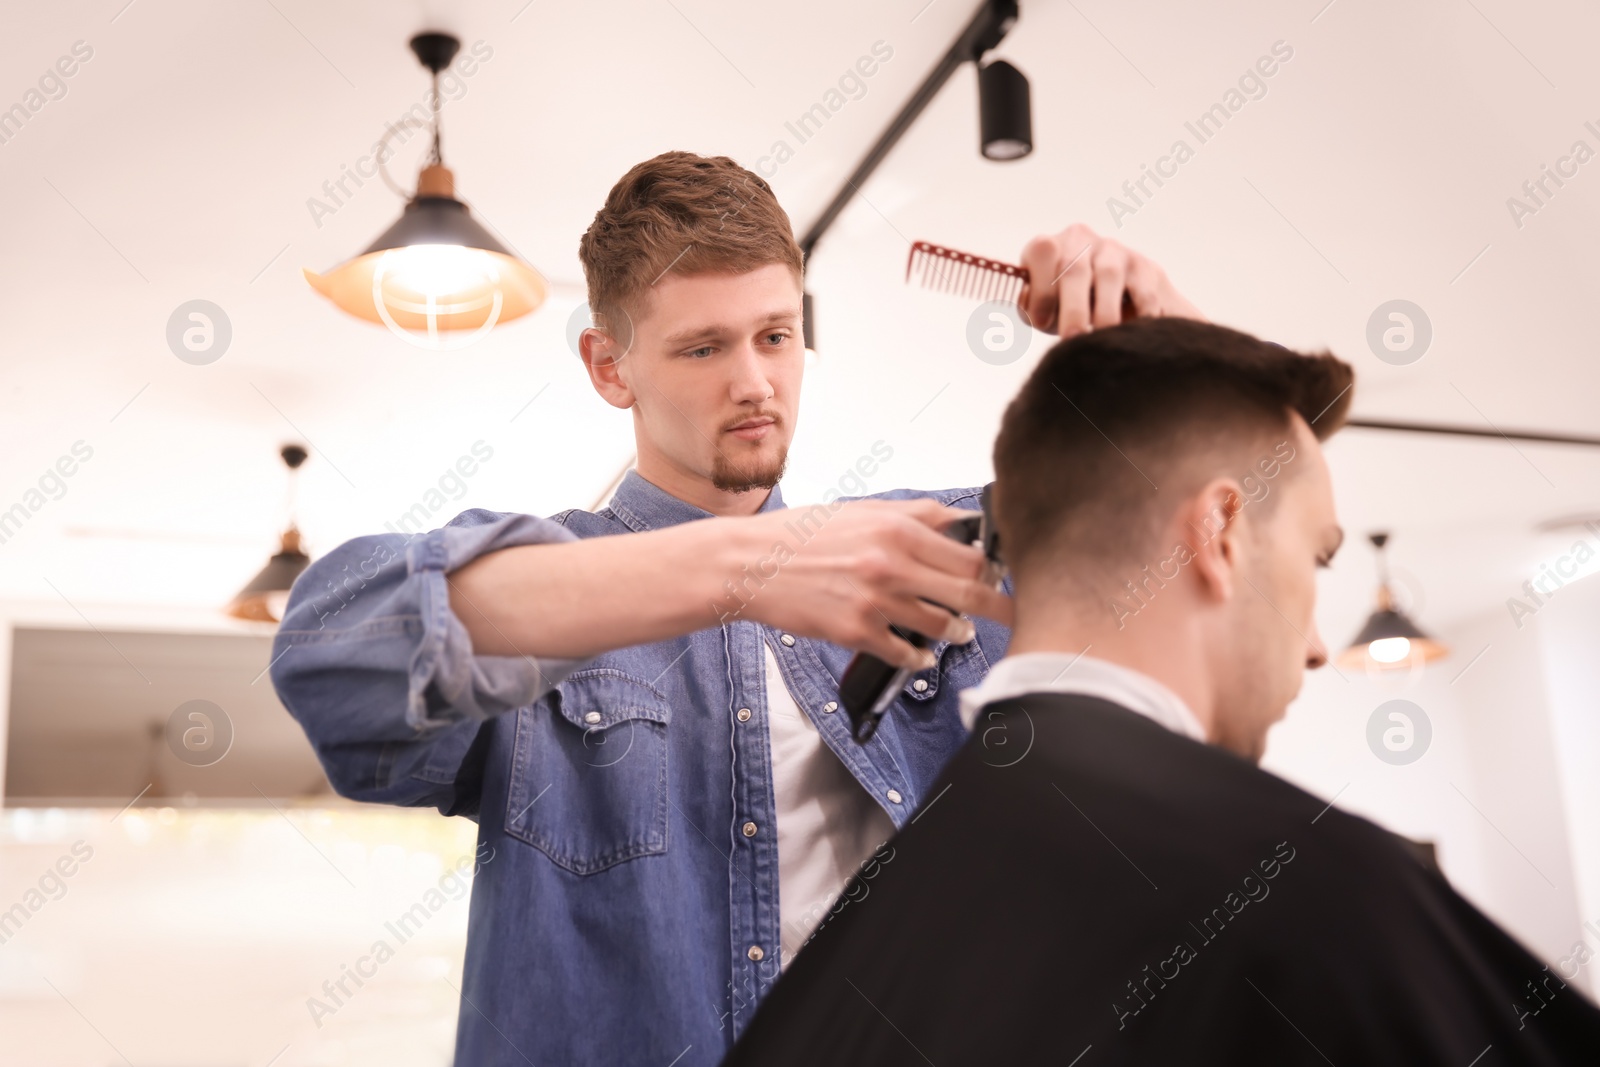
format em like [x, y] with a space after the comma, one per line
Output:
[619, 914]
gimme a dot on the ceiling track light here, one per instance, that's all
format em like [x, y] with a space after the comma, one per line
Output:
[1389, 640]
[1005, 112]
[1005, 117]
[436, 269]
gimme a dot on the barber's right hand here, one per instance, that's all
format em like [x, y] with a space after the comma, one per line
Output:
[845, 574]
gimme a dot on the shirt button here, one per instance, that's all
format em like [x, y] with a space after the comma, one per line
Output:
[749, 829]
[755, 952]
[744, 714]
[787, 639]
[894, 796]
[830, 707]
[920, 685]
[592, 717]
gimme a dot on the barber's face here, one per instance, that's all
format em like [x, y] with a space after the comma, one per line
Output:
[714, 374]
[1277, 631]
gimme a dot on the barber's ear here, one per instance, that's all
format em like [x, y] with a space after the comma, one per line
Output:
[1213, 524]
[602, 357]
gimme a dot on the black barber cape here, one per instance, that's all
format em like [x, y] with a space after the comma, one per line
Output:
[1100, 890]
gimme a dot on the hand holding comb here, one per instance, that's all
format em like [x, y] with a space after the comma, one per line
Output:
[974, 277]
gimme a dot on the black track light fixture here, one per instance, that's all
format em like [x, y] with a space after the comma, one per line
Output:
[1005, 112]
[1005, 117]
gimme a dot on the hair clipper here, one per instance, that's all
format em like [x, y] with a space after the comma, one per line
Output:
[869, 684]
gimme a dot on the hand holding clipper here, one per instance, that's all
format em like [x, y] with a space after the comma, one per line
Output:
[869, 684]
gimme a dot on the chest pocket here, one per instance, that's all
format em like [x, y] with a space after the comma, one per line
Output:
[588, 784]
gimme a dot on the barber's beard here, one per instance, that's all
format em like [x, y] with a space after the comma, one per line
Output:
[757, 472]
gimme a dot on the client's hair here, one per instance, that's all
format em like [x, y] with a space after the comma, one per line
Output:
[1116, 426]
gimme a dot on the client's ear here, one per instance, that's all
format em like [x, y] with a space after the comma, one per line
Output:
[1212, 525]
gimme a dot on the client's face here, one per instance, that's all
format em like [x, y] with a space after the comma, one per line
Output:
[1277, 630]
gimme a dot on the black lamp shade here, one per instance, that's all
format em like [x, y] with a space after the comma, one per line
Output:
[436, 220]
[1005, 111]
[263, 599]
[1386, 624]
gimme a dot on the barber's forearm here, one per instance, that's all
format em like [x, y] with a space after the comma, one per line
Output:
[581, 598]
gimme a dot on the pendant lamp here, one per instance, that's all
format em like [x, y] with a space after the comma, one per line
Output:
[1389, 640]
[436, 269]
[267, 594]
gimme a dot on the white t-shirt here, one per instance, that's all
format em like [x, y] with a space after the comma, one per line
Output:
[1076, 672]
[828, 825]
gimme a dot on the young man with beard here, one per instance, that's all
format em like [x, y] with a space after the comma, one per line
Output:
[1130, 888]
[646, 731]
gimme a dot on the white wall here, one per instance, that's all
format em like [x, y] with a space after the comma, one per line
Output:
[1569, 629]
[1506, 789]
[1506, 711]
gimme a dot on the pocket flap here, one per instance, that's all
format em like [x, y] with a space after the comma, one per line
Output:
[601, 697]
[924, 684]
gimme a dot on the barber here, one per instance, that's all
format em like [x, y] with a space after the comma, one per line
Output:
[639, 706]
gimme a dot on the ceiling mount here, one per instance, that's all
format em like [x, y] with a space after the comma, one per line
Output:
[435, 50]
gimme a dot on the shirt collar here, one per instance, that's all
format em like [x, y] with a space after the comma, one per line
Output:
[1070, 672]
[643, 505]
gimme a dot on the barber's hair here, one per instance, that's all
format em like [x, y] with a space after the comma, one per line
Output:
[1116, 426]
[684, 213]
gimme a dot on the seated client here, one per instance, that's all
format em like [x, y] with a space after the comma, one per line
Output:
[1105, 875]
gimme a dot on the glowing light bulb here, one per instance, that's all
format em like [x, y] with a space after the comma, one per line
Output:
[440, 270]
[1390, 649]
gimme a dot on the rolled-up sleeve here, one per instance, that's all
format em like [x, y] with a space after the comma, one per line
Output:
[379, 672]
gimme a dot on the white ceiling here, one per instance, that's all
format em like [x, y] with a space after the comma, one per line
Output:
[180, 161]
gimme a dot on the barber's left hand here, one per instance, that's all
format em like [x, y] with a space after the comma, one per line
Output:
[1079, 281]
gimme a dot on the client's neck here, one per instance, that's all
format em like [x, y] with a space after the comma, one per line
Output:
[1163, 645]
